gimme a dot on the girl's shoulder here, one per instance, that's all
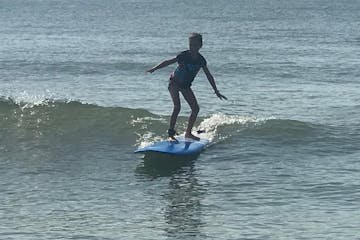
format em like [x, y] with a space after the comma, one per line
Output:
[202, 60]
[182, 56]
[185, 56]
[184, 53]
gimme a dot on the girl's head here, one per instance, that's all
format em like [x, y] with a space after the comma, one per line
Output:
[195, 42]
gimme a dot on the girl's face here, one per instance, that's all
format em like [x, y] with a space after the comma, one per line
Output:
[194, 45]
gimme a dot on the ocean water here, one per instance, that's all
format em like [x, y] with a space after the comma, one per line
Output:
[75, 102]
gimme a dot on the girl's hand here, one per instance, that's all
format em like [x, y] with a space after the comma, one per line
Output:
[219, 95]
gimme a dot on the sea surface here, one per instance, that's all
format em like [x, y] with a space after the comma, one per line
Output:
[76, 101]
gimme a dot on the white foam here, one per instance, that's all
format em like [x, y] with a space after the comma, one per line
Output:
[147, 139]
[212, 123]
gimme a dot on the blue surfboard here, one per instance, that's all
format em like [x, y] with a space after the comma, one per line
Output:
[181, 147]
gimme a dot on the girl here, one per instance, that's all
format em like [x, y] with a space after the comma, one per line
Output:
[189, 64]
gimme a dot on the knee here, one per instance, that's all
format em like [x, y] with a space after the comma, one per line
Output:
[177, 108]
[195, 109]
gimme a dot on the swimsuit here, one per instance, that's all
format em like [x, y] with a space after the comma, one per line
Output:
[187, 69]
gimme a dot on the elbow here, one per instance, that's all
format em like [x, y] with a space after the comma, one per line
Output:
[169, 62]
[211, 78]
[164, 63]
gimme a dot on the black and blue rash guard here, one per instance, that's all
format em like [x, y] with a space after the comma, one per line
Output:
[187, 69]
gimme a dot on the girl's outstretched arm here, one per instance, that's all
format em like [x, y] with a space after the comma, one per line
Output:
[162, 65]
[212, 83]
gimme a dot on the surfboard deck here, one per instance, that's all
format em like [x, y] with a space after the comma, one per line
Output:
[181, 147]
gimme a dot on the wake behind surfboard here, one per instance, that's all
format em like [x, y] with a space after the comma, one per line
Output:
[181, 147]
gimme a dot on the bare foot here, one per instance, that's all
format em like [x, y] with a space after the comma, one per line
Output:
[189, 135]
[172, 139]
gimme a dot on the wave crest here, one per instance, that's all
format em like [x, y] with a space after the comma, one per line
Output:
[70, 118]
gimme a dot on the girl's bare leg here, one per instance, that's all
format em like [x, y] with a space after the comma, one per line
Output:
[191, 100]
[174, 92]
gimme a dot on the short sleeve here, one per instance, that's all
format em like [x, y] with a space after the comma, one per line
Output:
[181, 57]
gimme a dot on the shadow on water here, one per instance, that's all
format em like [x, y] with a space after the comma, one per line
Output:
[183, 211]
[164, 165]
[183, 193]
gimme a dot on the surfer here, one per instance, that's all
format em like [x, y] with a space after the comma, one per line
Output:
[189, 64]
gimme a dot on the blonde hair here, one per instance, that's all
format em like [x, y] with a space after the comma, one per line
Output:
[197, 37]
